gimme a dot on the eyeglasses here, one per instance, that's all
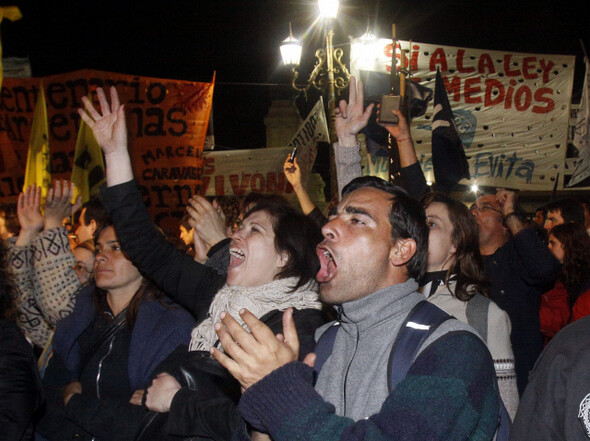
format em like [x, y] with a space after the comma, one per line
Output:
[483, 208]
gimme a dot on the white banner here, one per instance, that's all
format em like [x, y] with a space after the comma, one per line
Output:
[239, 172]
[311, 131]
[582, 133]
[511, 108]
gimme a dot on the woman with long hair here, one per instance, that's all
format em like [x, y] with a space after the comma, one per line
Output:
[272, 268]
[455, 282]
[105, 351]
[569, 300]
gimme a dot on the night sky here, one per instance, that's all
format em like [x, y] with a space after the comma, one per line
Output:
[189, 40]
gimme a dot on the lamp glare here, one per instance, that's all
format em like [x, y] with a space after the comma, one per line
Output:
[328, 8]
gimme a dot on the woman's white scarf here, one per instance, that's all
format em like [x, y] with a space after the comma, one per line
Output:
[259, 300]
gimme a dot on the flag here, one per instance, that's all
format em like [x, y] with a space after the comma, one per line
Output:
[38, 171]
[582, 133]
[13, 14]
[448, 157]
[88, 171]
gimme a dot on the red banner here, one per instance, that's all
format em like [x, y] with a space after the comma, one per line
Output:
[166, 119]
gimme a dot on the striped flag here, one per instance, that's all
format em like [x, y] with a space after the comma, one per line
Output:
[448, 157]
[38, 171]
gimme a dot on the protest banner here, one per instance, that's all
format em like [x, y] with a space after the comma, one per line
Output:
[239, 172]
[311, 131]
[511, 109]
[166, 119]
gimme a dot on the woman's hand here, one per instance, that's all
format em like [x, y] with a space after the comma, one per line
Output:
[29, 215]
[110, 131]
[109, 126]
[58, 205]
[161, 392]
[75, 387]
[292, 172]
[401, 130]
[207, 219]
[137, 397]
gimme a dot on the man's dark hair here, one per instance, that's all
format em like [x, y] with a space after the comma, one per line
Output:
[406, 217]
[95, 211]
[543, 209]
[571, 209]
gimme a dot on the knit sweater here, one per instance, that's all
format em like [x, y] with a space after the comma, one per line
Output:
[493, 326]
[449, 392]
[46, 283]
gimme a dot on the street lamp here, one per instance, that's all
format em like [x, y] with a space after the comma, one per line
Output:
[328, 75]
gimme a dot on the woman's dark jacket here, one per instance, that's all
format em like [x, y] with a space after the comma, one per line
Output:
[20, 386]
[131, 358]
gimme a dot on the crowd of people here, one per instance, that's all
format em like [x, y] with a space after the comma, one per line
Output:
[403, 314]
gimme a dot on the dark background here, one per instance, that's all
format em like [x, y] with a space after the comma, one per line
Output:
[189, 40]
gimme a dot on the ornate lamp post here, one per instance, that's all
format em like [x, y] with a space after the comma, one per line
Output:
[329, 74]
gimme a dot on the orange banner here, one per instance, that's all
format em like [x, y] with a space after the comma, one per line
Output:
[166, 119]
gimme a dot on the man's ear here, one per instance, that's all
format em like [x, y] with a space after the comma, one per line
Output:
[402, 251]
[92, 226]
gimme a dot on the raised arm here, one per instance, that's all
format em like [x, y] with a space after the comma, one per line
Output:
[351, 118]
[20, 256]
[29, 215]
[413, 177]
[110, 130]
[188, 282]
[55, 282]
[293, 174]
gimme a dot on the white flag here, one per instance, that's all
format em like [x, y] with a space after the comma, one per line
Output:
[582, 134]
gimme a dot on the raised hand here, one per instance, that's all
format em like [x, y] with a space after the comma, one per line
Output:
[108, 126]
[292, 172]
[200, 247]
[401, 130]
[58, 205]
[207, 219]
[507, 199]
[250, 357]
[351, 118]
[29, 214]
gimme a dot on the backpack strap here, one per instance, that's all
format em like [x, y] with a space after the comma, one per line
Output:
[422, 320]
[323, 347]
